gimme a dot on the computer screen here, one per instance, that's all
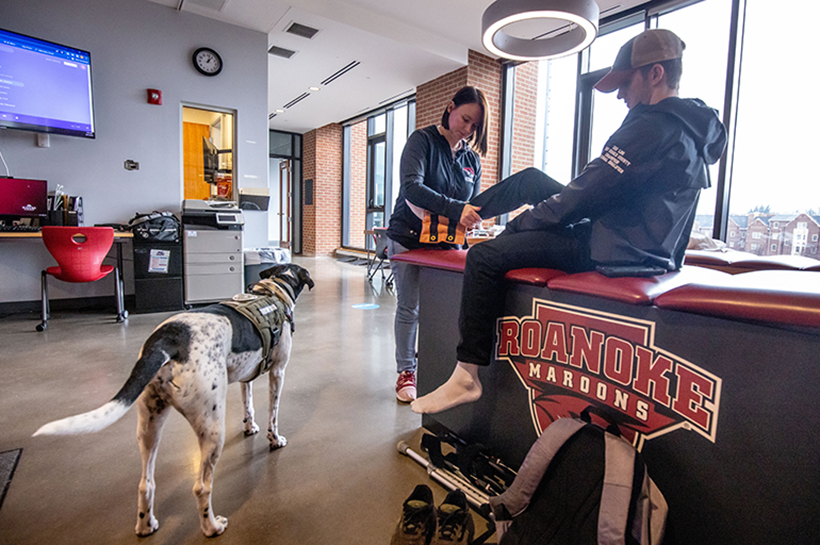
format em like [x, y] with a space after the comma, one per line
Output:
[210, 160]
[45, 86]
[21, 198]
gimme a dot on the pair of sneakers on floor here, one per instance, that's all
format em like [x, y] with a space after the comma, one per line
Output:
[422, 524]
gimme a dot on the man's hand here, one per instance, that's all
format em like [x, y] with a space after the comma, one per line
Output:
[469, 216]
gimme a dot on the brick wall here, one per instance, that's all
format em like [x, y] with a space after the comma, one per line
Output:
[485, 73]
[432, 97]
[308, 211]
[358, 183]
[321, 229]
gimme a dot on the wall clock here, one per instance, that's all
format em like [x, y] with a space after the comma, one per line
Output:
[207, 61]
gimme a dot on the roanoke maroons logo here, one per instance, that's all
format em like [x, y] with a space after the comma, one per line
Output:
[571, 357]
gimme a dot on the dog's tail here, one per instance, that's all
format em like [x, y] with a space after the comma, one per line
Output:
[170, 341]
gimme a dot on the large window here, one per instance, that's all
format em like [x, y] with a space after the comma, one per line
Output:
[761, 187]
[376, 175]
[372, 152]
[607, 111]
[775, 136]
[555, 117]
[704, 27]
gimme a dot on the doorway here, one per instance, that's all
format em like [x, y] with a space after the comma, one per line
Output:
[207, 154]
[280, 223]
[285, 176]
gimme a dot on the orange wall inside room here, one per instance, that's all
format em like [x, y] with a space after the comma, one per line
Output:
[193, 167]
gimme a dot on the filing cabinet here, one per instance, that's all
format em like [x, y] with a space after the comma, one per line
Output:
[213, 264]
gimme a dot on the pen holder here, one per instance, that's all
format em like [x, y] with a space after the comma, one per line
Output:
[55, 217]
[69, 212]
[71, 218]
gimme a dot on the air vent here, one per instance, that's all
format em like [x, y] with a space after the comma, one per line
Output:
[210, 4]
[295, 100]
[271, 116]
[336, 75]
[302, 30]
[281, 52]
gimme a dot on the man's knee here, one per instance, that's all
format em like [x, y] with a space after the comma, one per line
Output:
[486, 255]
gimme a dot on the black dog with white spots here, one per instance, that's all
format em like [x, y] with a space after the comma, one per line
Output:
[187, 363]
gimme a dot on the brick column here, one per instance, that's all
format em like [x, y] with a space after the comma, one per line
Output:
[321, 224]
[358, 183]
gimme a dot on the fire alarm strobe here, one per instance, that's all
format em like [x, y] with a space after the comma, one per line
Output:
[155, 97]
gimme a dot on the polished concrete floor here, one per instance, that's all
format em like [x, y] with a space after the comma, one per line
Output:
[340, 479]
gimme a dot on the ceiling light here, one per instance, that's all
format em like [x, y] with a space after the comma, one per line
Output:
[565, 27]
[280, 111]
[315, 88]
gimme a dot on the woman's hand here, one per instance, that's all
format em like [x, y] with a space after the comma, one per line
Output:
[469, 216]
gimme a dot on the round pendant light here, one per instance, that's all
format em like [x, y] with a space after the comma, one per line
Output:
[526, 30]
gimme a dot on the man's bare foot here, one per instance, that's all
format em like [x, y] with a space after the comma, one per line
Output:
[463, 386]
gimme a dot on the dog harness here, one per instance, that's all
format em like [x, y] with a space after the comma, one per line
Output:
[267, 314]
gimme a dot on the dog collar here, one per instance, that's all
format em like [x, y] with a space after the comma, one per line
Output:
[287, 287]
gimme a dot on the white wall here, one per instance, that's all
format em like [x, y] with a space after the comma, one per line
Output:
[135, 45]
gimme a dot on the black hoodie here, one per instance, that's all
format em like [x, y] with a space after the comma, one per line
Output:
[641, 194]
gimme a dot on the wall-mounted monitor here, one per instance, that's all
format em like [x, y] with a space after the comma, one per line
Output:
[45, 86]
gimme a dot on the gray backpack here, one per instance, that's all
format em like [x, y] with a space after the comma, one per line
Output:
[581, 484]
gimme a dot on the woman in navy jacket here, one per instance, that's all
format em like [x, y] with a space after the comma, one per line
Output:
[440, 172]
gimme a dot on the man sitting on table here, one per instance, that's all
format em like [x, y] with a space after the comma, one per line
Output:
[633, 206]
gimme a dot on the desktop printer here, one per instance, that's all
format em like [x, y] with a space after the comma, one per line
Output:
[224, 215]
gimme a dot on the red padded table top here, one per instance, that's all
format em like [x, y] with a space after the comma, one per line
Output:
[775, 262]
[633, 290]
[778, 297]
[449, 260]
[454, 260]
[745, 260]
[713, 258]
[534, 276]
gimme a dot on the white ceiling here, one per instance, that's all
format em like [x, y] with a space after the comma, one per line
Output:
[398, 43]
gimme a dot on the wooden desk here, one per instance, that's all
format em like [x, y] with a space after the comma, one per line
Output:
[121, 235]
[120, 238]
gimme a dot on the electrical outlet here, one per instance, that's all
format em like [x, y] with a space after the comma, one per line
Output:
[131, 165]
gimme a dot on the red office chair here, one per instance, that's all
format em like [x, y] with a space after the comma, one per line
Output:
[79, 252]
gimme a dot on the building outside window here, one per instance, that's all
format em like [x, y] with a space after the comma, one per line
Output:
[773, 142]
